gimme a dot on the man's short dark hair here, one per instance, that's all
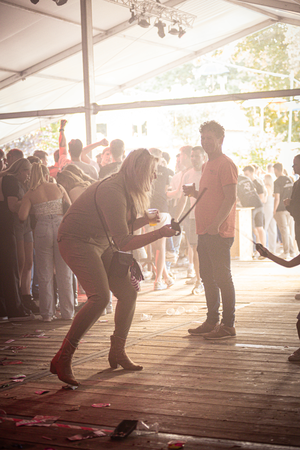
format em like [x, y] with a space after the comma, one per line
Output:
[75, 147]
[249, 168]
[40, 154]
[214, 127]
[278, 166]
[297, 156]
[117, 148]
[15, 153]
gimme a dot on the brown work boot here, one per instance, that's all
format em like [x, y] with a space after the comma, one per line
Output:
[117, 355]
[205, 327]
[61, 363]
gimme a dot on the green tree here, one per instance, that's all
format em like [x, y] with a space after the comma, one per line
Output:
[46, 138]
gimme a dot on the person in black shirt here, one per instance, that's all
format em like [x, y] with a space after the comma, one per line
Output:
[249, 198]
[117, 151]
[283, 186]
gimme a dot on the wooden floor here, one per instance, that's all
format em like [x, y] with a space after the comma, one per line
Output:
[240, 393]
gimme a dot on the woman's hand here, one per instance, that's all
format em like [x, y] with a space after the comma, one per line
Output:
[167, 231]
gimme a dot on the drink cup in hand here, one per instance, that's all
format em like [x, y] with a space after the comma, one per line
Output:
[153, 216]
[188, 189]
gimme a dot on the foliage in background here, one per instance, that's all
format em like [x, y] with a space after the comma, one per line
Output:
[46, 138]
[264, 149]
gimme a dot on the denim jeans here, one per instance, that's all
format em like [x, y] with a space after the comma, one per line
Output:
[47, 258]
[215, 272]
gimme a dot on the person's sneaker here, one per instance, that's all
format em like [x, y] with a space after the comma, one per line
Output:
[24, 318]
[169, 282]
[205, 327]
[160, 286]
[295, 357]
[4, 319]
[297, 297]
[191, 281]
[198, 288]
[221, 332]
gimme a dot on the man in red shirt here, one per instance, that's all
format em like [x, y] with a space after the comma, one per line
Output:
[215, 226]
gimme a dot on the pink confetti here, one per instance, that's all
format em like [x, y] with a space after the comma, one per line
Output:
[9, 341]
[101, 405]
[41, 392]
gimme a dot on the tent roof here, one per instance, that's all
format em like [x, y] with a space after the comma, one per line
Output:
[41, 58]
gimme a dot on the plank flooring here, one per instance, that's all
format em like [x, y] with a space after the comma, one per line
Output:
[239, 393]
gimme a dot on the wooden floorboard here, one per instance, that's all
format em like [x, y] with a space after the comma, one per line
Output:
[230, 394]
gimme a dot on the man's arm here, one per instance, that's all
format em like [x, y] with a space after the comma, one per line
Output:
[84, 154]
[225, 208]
[276, 202]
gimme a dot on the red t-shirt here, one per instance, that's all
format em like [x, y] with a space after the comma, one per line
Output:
[215, 174]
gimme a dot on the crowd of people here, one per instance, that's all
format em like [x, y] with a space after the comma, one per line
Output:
[60, 225]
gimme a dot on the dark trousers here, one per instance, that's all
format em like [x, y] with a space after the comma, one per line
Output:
[10, 293]
[215, 272]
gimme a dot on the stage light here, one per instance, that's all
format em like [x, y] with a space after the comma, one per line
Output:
[172, 30]
[181, 32]
[161, 28]
[143, 22]
[60, 2]
[133, 17]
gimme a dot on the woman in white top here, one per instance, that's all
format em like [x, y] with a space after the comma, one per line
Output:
[46, 201]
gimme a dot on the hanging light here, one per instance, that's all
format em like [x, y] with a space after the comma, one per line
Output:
[161, 28]
[133, 17]
[60, 2]
[34, 1]
[172, 30]
[144, 22]
[181, 32]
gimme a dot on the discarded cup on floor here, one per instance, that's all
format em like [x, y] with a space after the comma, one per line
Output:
[180, 310]
[143, 428]
[170, 311]
[145, 317]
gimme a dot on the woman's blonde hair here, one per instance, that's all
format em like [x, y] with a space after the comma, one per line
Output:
[138, 169]
[16, 167]
[268, 180]
[79, 173]
[38, 175]
[69, 180]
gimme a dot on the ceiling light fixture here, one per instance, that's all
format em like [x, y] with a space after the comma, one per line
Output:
[60, 2]
[34, 1]
[181, 32]
[133, 17]
[144, 22]
[161, 28]
[172, 30]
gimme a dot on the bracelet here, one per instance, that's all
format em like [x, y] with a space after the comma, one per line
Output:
[61, 129]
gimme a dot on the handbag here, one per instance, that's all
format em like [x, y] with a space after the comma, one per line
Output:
[136, 274]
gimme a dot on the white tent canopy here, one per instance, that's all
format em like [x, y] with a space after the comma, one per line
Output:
[41, 50]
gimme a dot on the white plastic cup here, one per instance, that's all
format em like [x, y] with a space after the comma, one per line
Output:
[170, 311]
[180, 310]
